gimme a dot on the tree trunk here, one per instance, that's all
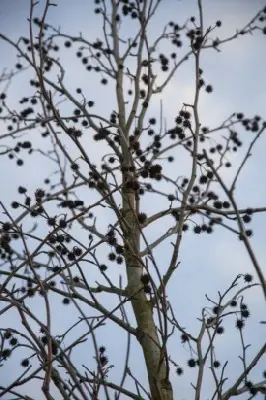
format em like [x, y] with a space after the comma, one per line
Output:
[160, 386]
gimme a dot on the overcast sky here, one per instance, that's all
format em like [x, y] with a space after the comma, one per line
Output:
[208, 264]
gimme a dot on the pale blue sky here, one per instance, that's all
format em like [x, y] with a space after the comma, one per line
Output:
[208, 263]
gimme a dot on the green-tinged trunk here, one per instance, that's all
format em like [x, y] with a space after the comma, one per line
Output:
[160, 386]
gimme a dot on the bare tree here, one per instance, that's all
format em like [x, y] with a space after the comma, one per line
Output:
[55, 241]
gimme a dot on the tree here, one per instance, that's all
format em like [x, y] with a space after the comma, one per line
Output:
[92, 207]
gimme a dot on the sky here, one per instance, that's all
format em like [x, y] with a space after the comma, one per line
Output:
[208, 264]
